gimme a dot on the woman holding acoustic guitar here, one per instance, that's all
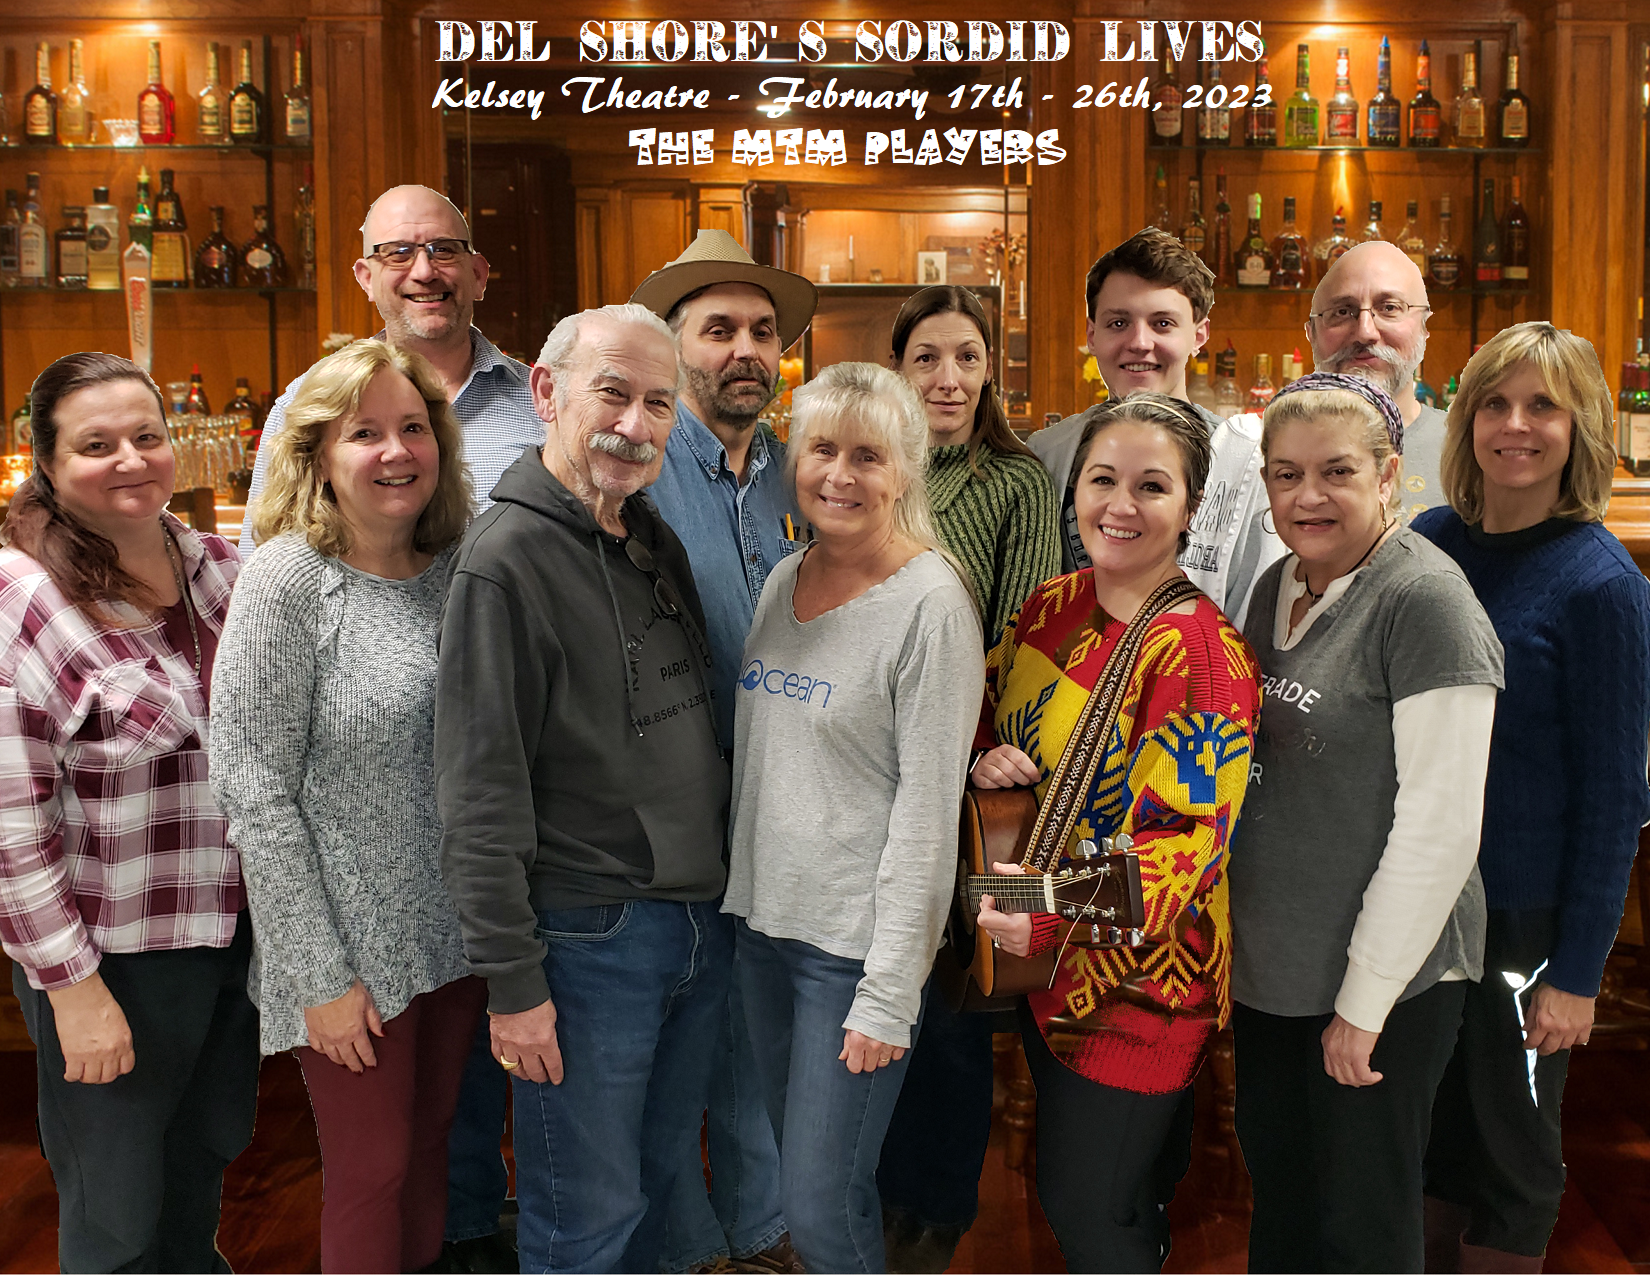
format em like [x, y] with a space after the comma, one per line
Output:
[1116, 1039]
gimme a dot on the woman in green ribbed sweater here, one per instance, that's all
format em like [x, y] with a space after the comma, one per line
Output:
[993, 502]
[995, 509]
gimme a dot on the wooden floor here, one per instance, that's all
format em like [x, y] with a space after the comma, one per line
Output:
[272, 1196]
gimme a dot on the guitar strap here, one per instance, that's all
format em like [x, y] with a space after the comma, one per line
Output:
[1074, 773]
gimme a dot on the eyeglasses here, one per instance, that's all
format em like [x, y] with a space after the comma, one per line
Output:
[666, 598]
[1387, 314]
[401, 254]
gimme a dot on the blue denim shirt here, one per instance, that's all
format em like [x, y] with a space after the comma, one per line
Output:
[734, 534]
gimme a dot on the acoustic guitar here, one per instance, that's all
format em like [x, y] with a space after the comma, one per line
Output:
[1099, 896]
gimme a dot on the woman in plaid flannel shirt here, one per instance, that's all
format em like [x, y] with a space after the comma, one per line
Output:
[121, 904]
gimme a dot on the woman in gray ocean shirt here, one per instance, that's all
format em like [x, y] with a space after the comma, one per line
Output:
[1356, 905]
[852, 722]
[322, 756]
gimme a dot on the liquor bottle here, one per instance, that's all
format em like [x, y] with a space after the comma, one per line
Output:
[1469, 105]
[195, 404]
[1163, 218]
[1300, 112]
[1515, 241]
[1373, 229]
[1195, 233]
[71, 248]
[170, 243]
[1444, 261]
[1168, 118]
[1409, 238]
[242, 405]
[1512, 112]
[1425, 122]
[157, 112]
[248, 112]
[1261, 390]
[1254, 255]
[1385, 111]
[140, 226]
[263, 264]
[1486, 242]
[303, 213]
[1289, 251]
[1292, 367]
[1446, 396]
[1260, 122]
[1634, 418]
[1328, 250]
[102, 243]
[33, 255]
[40, 102]
[74, 115]
[1214, 123]
[20, 430]
[1228, 397]
[213, 106]
[1200, 387]
[1220, 243]
[1424, 393]
[297, 98]
[1341, 113]
[217, 258]
[9, 226]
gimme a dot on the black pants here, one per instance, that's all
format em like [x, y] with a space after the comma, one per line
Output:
[1108, 1162]
[935, 1148]
[139, 1162]
[1496, 1147]
[1336, 1169]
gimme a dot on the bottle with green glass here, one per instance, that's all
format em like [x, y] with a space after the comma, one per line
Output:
[1300, 112]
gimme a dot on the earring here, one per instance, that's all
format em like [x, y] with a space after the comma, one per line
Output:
[1264, 515]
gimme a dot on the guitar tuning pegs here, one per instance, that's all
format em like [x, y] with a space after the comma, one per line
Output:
[1114, 936]
[1121, 842]
[1085, 849]
[1105, 843]
[1095, 931]
[1136, 938]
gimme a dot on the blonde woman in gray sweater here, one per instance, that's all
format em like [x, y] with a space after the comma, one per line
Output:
[852, 720]
[322, 756]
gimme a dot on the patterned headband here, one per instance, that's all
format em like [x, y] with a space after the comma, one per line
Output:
[1372, 394]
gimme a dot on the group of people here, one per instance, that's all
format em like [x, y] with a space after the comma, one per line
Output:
[560, 728]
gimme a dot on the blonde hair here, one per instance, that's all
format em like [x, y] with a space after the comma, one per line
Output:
[296, 499]
[1572, 376]
[1333, 405]
[884, 408]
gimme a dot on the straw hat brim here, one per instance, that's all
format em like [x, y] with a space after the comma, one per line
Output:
[794, 298]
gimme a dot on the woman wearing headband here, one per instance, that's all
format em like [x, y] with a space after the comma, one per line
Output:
[1114, 1043]
[1357, 912]
[1528, 458]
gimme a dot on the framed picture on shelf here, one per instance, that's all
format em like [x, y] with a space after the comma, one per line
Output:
[931, 268]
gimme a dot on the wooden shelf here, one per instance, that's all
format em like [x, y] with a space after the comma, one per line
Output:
[1157, 148]
[222, 149]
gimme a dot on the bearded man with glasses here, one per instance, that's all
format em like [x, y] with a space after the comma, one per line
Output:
[1369, 319]
[421, 269]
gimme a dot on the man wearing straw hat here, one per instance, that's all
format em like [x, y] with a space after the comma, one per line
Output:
[723, 492]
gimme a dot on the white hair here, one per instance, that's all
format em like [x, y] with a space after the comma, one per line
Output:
[559, 346]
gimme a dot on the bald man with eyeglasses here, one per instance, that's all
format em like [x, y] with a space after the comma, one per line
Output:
[424, 275]
[1369, 319]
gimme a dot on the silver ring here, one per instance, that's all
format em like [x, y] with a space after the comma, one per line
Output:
[996, 942]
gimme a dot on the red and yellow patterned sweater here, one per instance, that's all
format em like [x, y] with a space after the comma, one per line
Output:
[1172, 777]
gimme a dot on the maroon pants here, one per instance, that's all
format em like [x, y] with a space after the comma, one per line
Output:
[384, 1134]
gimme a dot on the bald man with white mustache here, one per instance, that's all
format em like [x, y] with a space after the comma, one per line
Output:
[1368, 319]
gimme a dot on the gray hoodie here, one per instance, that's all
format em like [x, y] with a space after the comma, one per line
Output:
[576, 758]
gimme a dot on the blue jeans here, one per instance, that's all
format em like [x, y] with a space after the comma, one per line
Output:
[477, 1181]
[740, 1215]
[639, 990]
[830, 1122]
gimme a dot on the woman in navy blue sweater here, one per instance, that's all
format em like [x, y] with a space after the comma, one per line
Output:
[1528, 458]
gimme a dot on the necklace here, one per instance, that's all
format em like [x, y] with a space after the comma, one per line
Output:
[1313, 597]
[183, 593]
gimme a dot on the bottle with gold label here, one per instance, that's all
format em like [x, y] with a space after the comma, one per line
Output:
[1469, 105]
[102, 243]
[157, 112]
[1261, 389]
[248, 111]
[212, 110]
[40, 102]
[1513, 110]
[71, 249]
[1425, 116]
[263, 264]
[33, 247]
[140, 226]
[171, 257]
[217, 258]
[297, 98]
[74, 115]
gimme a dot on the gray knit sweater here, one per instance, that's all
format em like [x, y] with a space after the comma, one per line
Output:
[322, 756]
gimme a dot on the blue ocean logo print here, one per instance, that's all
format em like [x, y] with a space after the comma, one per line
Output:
[776, 681]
